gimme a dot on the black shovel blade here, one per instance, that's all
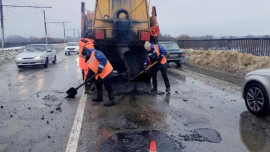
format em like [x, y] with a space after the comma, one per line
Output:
[72, 92]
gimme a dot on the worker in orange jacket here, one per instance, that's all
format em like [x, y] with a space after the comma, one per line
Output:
[89, 44]
[98, 63]
[155, 52]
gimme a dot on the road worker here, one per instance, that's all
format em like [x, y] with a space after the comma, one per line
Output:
[89, 44]
[97, 62]
[155, 52]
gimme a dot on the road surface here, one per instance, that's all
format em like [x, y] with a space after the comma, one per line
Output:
[201, 114]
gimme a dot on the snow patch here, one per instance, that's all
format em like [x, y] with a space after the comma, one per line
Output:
[231, 62]
[8, 54]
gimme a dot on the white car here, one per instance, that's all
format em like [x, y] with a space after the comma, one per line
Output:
[36, 54]
[72, 47]
[256, 91]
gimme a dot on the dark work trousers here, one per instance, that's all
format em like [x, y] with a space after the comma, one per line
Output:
[107, 83]
[163, 69]
[89, 74]
[83, 74]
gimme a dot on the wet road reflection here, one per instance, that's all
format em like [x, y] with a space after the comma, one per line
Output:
[34, 114]
[200, 114]
[255, 132]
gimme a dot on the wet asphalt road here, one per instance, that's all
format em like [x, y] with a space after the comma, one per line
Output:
[201, 114]
[34, 114]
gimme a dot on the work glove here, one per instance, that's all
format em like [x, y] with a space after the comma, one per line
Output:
[100, 69]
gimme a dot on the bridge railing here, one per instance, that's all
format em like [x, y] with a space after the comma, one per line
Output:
[7, 45]
[255, 46]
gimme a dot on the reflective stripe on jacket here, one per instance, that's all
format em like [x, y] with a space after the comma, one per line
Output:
[163, 60]
[93, 64]
[157, 52]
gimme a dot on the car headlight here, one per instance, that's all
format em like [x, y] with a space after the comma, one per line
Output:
[18, 58]
[38, 57]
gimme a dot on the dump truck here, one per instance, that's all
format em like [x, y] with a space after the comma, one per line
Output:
[121, 28]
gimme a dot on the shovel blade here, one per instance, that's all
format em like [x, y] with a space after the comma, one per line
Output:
[72, 92]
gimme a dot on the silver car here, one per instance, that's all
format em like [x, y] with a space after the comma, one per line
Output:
[36, 54]
[72, 47]
[256, 91]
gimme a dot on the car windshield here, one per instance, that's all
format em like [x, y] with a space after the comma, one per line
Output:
[170, 45]
[72, 44]
[33, 48]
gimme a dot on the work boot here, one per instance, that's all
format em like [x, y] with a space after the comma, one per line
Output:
[87, 89]
[168, 89]
[111, 100]
[93, 88]
[99, 97]
[154, 90]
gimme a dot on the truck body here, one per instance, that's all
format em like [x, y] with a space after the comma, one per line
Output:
[121, 28]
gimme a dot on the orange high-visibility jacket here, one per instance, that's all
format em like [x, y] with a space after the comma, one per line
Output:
[93, 64]
[156, 48]
[88, 45]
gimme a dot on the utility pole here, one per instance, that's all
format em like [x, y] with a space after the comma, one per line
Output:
[45, 24]
[2, 25]
[64, 31]
[74, 33]
[64, 27]
[2, 18]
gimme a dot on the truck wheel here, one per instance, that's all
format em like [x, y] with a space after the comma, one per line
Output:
[20, 66]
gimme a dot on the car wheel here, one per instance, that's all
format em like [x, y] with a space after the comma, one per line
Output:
[54, 61]
[46, 63]
[20, 66]
[178, 64]
[256, 99]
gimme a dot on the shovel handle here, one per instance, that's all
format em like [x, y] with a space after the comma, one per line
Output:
[85, 82]
[144, 70]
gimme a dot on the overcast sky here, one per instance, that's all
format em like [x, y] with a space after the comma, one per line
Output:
[192, 17]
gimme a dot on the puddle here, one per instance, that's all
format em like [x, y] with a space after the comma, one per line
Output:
[255, 132]
[139, 141]
[203, 135]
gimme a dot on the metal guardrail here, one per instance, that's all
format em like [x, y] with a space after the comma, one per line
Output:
[255, 46]
[7, 45]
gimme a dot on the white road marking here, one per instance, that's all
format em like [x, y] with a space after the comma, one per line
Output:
[77, 125]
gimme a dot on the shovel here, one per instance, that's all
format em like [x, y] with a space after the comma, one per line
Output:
[143, 71]
[73, 91]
